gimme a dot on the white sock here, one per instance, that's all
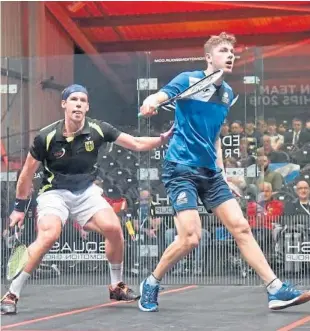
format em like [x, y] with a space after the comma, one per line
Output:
[274, 286]
[116, 272]
[151, 280]
[18, 283]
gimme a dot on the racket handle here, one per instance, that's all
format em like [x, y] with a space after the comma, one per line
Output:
[140, 114]
[130, 228]
[16, 231]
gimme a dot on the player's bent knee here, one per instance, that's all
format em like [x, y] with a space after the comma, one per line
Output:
[189, 242]
[241, 229]
[49, 230]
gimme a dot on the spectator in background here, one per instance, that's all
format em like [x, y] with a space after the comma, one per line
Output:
[282, 127]
[252, 135]
[265, 175]
[238, 180]
[224, 130]
[236, 128]
[305, 134]
[276, 139]
[246, 152]
[261, 127]
[301, 206]
[263, 217]
[294, 136]
[267, 210]
[273, 156]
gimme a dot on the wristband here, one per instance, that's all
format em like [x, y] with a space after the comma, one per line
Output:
[20, 205]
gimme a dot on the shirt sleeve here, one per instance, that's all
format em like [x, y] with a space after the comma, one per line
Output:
[110, 132]
[37, 149]
[176, 85]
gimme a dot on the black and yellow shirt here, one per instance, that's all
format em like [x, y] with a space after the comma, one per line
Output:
[70, 163]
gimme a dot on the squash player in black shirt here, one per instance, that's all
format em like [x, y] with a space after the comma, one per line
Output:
[68, 150]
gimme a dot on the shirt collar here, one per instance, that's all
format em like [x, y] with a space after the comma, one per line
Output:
[60, 129]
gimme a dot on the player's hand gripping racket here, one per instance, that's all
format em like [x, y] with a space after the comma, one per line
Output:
[193, 89]
[19, 254]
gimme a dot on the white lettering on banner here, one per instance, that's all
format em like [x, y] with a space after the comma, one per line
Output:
[75, 257]
[297, 257]
[300, 247]
[285, 95]
[167, 210]
[299, 250]
[231, 145]
[78, 247]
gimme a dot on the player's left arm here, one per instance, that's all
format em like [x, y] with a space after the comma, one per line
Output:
[141, 144]
[137, 144]
[219, 156]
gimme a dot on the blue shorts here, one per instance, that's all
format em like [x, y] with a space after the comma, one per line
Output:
[184, 184]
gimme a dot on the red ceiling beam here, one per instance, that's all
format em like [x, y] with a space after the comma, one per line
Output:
[247, 40]
[80, 39]
[265, 5]
[147, 19]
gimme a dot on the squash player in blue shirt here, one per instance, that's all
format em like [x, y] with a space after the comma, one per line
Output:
[193, 167]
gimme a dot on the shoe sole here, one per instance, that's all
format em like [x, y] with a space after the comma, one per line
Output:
[140, 305]
[13, 312]
[278, 304]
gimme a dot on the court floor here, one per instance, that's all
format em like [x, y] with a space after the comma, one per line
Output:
[182, 308]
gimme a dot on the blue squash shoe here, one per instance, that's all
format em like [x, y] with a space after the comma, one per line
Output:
[149, 297]
[287, 296]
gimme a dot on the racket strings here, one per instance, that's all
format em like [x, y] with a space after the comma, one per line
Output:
[203, 84]
[17, 261]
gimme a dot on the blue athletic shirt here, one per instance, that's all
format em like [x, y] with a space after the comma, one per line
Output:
[198, 121]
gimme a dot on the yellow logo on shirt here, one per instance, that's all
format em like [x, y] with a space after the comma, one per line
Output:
[89, 145]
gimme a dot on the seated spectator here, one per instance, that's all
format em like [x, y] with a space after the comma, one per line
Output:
[301, 206]
[246, 152]
[266, 211]
[224, 130]
[298, 136]
[276, 139]
[265, 175]
[263, 216]
[282, 127]
[252, 135]
[262, 127]
[147, 225]
[274, 156]
[305, 134]
[231, 165]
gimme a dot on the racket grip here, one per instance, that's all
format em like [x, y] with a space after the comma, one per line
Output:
[130, 228]
[16, 231]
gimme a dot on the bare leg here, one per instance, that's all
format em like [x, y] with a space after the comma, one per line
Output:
[106, 223]
[188, 226]
[231, 216]
[49, 229]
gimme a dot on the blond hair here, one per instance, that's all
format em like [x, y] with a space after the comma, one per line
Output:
[214, 41]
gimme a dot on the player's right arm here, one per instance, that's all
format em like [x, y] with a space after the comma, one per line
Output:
[24, 184]
[173, 88]
[149, 107]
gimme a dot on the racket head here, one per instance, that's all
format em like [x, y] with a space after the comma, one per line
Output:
[18, 259]
[201, 84]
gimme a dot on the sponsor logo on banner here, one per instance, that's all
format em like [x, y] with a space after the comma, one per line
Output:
[77, 251]
[299, 252]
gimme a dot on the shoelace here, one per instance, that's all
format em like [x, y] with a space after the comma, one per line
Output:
[151, 293]
[289, 287]
[123, 286]
[9, 296]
